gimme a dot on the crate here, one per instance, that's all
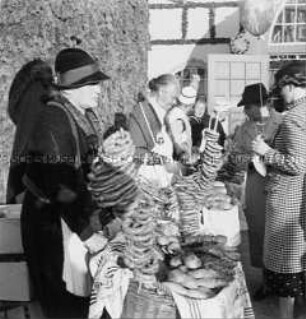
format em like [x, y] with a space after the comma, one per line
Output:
[10, 230]
[14, 281]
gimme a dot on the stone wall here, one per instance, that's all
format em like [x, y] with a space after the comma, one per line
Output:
[115, 31]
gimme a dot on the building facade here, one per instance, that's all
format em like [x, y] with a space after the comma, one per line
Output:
[183, 30]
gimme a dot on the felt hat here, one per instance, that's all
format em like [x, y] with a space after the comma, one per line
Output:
[76, 68]
[292, 73]
[254, 94]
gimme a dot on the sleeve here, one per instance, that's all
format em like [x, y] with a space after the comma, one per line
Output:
[291, 159]
[177, 127]
[239, 156]
[138, 138]
[222, 136]
[237, 161]
[53, 172]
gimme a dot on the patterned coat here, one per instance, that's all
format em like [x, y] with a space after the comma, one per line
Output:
[285, 232]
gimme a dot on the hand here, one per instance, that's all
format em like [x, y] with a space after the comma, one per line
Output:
[96, 243]
[259, 146]
[195, 81]
[65, 195]
[195, 77]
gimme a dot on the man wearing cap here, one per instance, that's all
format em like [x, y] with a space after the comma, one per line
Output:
[57, 207]
[263, 121]
[179, 125]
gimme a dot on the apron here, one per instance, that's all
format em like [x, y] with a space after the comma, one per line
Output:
[158, 174]
[75, 271]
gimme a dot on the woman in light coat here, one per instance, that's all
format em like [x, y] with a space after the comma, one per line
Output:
[285, 233]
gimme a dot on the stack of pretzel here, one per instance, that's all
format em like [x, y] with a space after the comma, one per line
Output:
[191, 189]
[111, 180]
[165, 200]
[212, 154]
[118, 150]
[138, 227]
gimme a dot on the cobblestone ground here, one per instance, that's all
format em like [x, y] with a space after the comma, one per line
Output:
[267, 308]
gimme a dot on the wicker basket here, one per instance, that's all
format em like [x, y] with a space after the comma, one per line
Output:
[144, 303]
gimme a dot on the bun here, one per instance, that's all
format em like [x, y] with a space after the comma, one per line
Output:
[153, 85]
[192, 261]
[175, 261]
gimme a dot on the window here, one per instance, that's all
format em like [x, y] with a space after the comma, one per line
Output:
[290, 25]
[287, 39]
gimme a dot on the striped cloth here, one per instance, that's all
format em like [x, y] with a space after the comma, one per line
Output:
[110, 282]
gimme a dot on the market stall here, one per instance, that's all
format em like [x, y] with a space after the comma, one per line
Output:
[166, 262]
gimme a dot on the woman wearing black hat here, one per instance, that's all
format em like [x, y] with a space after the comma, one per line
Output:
[57, 207]
[265, 121]
[285, 236]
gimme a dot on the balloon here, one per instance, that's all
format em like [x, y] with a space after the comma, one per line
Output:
[256, 16]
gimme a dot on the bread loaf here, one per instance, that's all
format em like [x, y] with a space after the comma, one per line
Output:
[192, 261]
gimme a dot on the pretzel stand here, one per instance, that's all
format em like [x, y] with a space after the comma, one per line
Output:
[162, 264]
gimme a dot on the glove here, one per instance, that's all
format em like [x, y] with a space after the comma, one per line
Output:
[96, 243]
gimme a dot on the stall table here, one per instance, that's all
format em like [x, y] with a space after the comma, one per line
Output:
[15, 288]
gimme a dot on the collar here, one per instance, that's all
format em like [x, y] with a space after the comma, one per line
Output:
[196, 118]
[74, 102]
[160, 112]
[86, 123]
[296, 103]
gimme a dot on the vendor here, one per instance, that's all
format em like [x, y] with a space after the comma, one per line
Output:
[154, 148]
[57, 206]
[178, 123]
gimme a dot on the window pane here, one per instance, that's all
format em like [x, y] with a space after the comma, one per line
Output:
[277, 34]
[291, 1]
[290, 14]
[301, 33]
[289, 35]
[280, 18]
[301, 14]
[302, 1]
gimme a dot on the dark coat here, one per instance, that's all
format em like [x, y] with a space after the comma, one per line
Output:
[26, 100]
[51, 169]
